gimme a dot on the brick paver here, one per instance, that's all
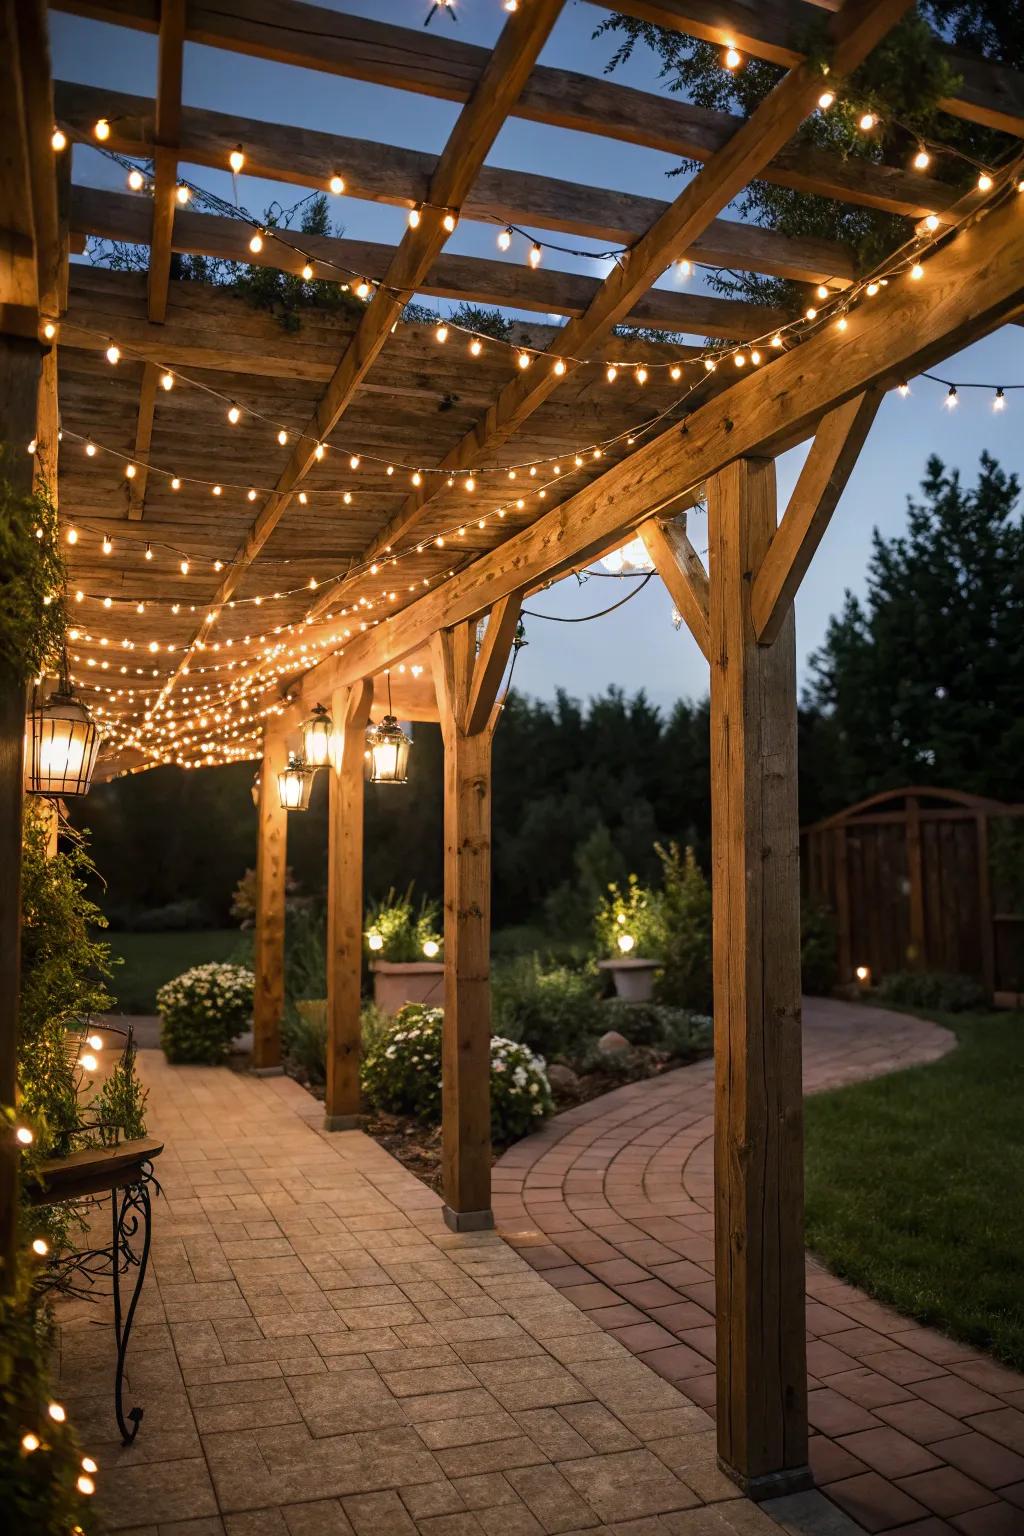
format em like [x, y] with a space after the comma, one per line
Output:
[910, 1430]
[318, 1356]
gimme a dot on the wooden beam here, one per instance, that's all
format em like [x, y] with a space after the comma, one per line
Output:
[19, 277]
[681, 569]
[439, 65]
[271, 868]
[36, 95]
[759, 1252]
[853, 33]
[143, 441]
[466, 688]
[470, 279]
[828, 466]
[350, 711]
[478, 124]
[386, 174]
[971, 286]
[492, 658]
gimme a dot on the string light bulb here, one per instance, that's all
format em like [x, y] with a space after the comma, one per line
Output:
[107, 544]
[40, 1247]
[256, 243]
[183, 193]
[24, 1136]
[826, 99]
[611, 373]
[559, 367]
[58, 140]
[441, 333]
[49, 330]
[30, 1442]
[904, 388]
[984, 182]
[236, 159]
[72, 535]
[101, 129]
[414, 218]
[449, 222]
[130, 471]
[535, 255]
[732, 59]
[113, 353]
[476, 346]
[641, 375]
[684, 267]
[90, 450]
[234, 415]
[282, 437]
[952, 398]
[136, 180]
[999, 402]
[922, 160]
[867, 121]
[505, 239]
[524, 360]
[917, 271]
[167, 380]
[307, 273]
[337, 184]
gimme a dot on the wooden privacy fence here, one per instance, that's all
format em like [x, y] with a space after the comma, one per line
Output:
[923, 879]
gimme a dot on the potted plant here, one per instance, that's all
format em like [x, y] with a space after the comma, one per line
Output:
[404, 947]
[628, 925]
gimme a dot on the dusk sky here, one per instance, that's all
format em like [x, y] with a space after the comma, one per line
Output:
[636, 646]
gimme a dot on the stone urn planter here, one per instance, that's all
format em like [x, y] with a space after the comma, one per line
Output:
[397, 982]
[633, 978]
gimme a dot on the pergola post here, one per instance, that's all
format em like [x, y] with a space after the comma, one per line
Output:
[350, 710]
[759, 1253]
[19, 372]
[467, 683]
[271, 866]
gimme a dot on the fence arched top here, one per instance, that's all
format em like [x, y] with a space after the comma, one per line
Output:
[887, 797]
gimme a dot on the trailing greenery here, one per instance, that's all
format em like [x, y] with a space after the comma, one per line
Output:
[903, 80]
[31, 621]
[401, 1075]
[398, 931]
[932, 990]
[203, 1010]
[912, 1183]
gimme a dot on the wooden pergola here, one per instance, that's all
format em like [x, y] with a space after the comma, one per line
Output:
[231, 579]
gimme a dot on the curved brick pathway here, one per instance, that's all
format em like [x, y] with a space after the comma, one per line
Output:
[611, 1202]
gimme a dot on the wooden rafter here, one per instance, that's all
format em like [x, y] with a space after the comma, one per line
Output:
[973, 285]
[681, 569]
[472, 279]
[828, 466]
[855, 31]
[478, 124]
[491, 659]
[313, 37]
[401, 177]
[167, 131]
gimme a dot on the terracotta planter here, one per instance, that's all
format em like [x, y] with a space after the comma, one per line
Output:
[634, 979]
[396, 982]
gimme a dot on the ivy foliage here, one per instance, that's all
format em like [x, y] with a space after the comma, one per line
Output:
[903, 81]
[31, 621]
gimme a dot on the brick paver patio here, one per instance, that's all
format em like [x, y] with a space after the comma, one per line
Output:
[318, 1356]
[611, 1203]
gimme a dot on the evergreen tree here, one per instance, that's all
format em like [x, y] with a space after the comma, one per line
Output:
[922, 682]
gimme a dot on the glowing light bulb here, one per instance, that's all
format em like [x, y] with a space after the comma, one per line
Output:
[49, 330]
[24, 1136]
[130, 471]
[95, 1042]
[353, 462]
[871, 290]
[136, 180]
[952, 398]
[999, 403]
[842, 323]
[641, 375]
[88, 1465]
[167, 380]
[732, 58]
[504, 240]
[776, 341]
[917, 271]
[625, 942]
[441, 334]
[826, 99]
[904, 388]
[535, 255]
[57, 1413]
[922, 160]
[430, 946]
[85, 1485]
[684, 267]
[811, 313]
[58, 140]
[362, 289]
[175, 486]
[282, 437]
[30, 1442]
[89, 1062]
[113, 353]
[107, 545]
[414, 218]
[469, 483]
[307, 273]
[216, 490]
[183, 567]
[449, 221]
[524, 359]
[931, 222]
[183, 193]
[236, 159]
[256, 243]
[40, 1247]
[102, 129]
[867, 122]
[559, 367]
[675, 372]
[710, 365]
[739, 358]
[375, 941]
[234, 415]
[417, 478]
[984, 182]
[337, 184]
[476, 346]
[72, 535]
[822, 291]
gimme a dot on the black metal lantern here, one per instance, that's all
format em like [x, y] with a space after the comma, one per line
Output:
[295, 783]
[317, 737]
[388, 749]
[63, 743]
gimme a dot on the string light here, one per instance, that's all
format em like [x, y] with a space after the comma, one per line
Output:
[441, 333]
[951, 398]
[135, 180]
[917, 271]
[102, 129]
[337, 184]
[999, 401]
[732, 58]
[183, 193]
[58, 140]
[984, 182]
[234, 415]
[307, 273]
[236, 159]
[535, 255]
[167, 380]
[113, 354]
[505, 239]
[826, 99]
[867, 121]
[414, 218]
[922, 160]
[256, 243]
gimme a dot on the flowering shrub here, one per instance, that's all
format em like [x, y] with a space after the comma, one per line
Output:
[203, 1009]
[397, 931]
[629, 923]
[402, 1075]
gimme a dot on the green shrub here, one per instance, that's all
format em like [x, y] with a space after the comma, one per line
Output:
[946, 993]
[402, 1075]
[819, 964]
[679, 1032]
[628, 922]
[556, 1012]
[202, 1011]
[398, 931]
[685, 937]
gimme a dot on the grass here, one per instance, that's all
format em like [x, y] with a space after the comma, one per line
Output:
[915, 1181]
[150, 959]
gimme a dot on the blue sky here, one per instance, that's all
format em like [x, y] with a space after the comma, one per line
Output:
[636, 646]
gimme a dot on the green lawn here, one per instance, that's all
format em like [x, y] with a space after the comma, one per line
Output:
[915, 1185]
[150, 959]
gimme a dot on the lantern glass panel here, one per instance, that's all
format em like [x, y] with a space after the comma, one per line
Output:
[317, 734]
[389, 752]
[295, 785]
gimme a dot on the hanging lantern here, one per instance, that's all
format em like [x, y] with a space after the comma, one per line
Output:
[389, 752]
[62, 744]
[295, 784]
[317, 733]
